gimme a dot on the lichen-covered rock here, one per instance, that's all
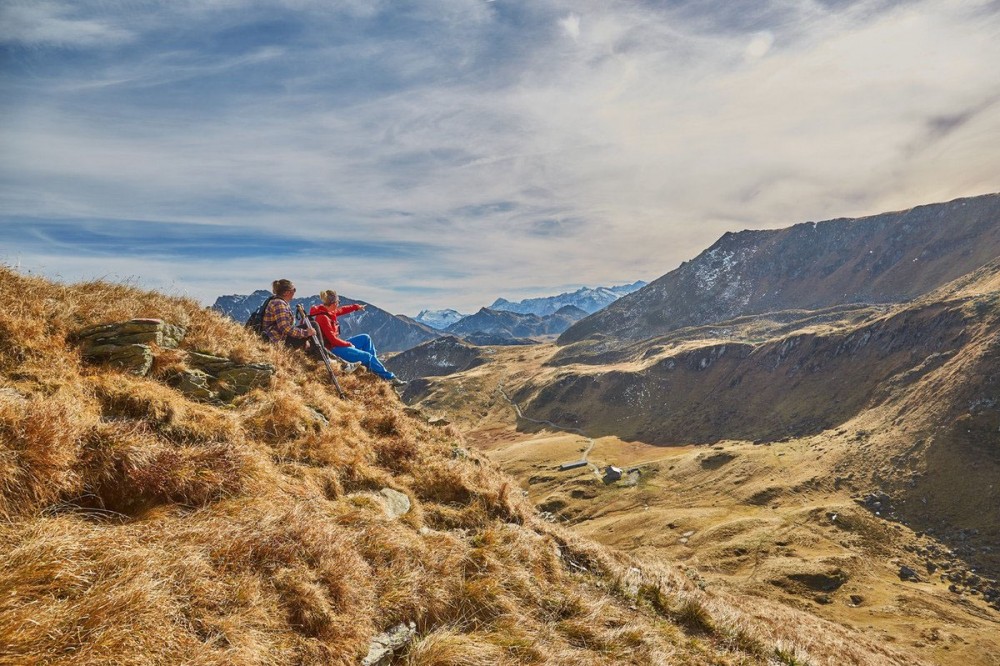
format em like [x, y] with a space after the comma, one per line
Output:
[134, 358]
[213, 365]
[134, 331]
[127, 344]
[386, 644]
[396, 503]
[243, 378]
[195, 384]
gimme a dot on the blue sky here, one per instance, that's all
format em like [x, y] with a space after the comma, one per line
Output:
[444, 153]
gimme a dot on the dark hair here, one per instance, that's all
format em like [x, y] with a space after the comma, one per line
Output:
[278, 287]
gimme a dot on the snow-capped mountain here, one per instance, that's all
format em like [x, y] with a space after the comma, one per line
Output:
[587, 299]
[439, 319]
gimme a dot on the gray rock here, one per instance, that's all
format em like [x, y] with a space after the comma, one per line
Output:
[127, 344]
[397, 503]
[134, 358]
[906, 573]
[134, 331]
[244, 378]
[386, 644]
[213, 365]
[195, 384]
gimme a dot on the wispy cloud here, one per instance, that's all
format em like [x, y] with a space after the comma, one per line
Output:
[462, 149]
[38, 23]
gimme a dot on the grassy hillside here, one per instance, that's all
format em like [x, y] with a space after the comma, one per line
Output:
[843, 462]
[139, 526]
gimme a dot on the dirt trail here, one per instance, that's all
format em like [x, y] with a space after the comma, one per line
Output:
[576, 431]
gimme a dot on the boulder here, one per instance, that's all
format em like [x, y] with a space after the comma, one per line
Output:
[134, 331]
[213, 365]
[127, 344]
[228, 378]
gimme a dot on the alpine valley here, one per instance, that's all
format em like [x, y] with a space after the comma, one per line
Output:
[808, 415]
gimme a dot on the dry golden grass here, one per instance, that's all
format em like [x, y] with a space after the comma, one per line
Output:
[140, 527]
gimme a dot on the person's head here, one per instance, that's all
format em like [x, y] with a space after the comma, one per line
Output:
[329, 297]
[283, 289]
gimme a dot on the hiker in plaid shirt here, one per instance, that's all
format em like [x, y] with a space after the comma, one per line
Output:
[279, 323]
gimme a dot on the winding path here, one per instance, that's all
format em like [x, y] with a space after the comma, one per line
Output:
[577, 431]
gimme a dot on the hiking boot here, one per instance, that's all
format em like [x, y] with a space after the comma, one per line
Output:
[396, 381]
[351, 367]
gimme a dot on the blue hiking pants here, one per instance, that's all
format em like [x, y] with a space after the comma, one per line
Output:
[364, 351]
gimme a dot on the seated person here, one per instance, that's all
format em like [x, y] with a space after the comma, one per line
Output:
[279, 323]
[358, 348]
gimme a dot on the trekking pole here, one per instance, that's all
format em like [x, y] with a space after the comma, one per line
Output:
[321, 349]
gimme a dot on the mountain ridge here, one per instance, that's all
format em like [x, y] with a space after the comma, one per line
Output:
[885, 258]
[587, 299]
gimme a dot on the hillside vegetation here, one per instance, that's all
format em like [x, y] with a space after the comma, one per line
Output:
[139, 526]
[843, 461]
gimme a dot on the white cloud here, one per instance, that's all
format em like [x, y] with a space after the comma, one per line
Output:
[51, 24]
[571, 26]
[759, 45]
[527, 159]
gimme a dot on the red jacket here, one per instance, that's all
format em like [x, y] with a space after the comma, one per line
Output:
[326, 318]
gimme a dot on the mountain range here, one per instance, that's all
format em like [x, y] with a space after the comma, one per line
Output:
[587, 299]
[516, 325]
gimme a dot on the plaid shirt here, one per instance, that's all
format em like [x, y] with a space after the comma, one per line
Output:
[279, 322]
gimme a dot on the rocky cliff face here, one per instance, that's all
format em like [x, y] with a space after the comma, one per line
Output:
[887, 258]
[389, 332]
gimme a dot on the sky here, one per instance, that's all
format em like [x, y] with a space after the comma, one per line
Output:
[443, 153]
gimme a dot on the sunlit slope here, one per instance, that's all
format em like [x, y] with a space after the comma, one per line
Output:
[141, 526]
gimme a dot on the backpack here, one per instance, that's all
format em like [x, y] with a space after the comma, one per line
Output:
[255, 322]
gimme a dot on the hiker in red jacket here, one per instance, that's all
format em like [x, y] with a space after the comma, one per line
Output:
[358, 348]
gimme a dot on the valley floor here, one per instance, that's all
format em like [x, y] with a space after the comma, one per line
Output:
[781, 520]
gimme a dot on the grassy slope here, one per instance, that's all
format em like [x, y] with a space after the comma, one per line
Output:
[139, 527]
[760, 515]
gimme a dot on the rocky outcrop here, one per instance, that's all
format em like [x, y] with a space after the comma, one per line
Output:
[218, 379]
[127, 345]
[887, 258]
[131, 346]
